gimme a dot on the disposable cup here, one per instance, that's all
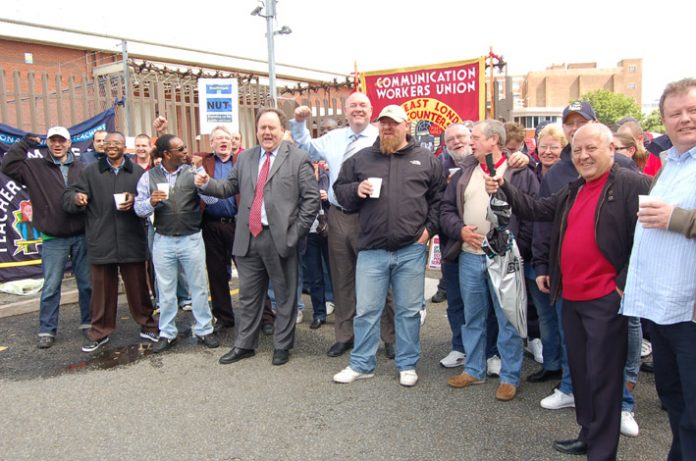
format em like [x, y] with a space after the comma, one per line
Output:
[164, 187]
[645, 199]
[119, 199]
[376, 184]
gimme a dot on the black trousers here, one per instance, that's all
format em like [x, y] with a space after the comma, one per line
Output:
[597, 341]
[218, 238]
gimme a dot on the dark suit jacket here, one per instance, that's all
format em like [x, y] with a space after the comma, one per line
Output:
[291, 196]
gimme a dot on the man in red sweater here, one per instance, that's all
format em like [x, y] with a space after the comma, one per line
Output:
[594, 218]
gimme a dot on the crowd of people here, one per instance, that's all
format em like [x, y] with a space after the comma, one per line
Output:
[605, 228]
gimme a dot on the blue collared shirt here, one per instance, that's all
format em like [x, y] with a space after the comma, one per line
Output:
[224, 208]
[144, 208]
[115, 169]
[331, 147]
[661, 284]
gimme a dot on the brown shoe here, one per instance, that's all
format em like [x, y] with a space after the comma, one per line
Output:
[506, 392]
[464, 380]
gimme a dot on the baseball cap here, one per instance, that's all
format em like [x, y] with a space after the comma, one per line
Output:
[583, 108]
[58, 131]
[394, 112]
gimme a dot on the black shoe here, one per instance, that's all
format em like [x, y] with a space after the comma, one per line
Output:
[544, 375]
[267, 329]
[339, 349]
[221, 326]
[163, 344]
[316, 323]
[90, 346]
[439, 297]
[389, 350]
[280, 356]
[571, 447]
[210, 341]
[45, 342]
[236, 354]
[648, 367]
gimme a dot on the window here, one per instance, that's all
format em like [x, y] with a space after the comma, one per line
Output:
[632, 68]
[631, 86]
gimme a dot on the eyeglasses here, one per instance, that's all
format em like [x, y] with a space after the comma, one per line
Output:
[177, 149]
[544, 147]
[113, 143]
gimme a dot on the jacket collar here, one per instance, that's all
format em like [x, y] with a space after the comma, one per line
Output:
[104, 165]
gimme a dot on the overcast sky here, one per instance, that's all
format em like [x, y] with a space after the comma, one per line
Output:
[331, 35]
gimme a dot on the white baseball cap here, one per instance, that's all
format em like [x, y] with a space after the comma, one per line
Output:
[394, 112]
[59, 131]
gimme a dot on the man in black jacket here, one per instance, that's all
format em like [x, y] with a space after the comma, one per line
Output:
[397, 187]
[116, 241]
[62, 235]
[593, 222]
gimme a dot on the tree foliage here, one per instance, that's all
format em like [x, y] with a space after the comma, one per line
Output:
[653, 122]
[612, 107]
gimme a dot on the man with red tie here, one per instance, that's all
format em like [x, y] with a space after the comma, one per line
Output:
[279, 200]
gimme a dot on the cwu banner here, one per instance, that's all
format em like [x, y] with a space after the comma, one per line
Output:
[433, 96]
[20, 242]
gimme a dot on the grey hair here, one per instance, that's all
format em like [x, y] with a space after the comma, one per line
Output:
[493, 127]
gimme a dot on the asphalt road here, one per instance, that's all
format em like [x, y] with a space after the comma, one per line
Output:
[125, 403]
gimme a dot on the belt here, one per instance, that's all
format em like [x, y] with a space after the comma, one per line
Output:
[223, 220]
[343, 210]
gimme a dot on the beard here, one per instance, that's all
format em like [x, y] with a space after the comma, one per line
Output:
[461, 155]
[389, 144]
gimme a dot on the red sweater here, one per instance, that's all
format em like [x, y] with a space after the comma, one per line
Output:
[587, 274]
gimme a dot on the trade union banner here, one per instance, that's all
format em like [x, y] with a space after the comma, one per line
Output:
[218, 100]
[20, 241]
[433, 96]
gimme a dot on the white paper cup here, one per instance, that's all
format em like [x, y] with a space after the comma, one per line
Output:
[376, 184]
[645, 199]
[453, 170]
[164, 187]
[119, 199]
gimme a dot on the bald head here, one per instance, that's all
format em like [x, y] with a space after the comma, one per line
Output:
[593, 151]
[358, 111]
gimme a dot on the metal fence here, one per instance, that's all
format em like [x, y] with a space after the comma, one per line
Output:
[34, 103]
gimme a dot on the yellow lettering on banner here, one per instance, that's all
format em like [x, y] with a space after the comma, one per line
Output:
[432, 110]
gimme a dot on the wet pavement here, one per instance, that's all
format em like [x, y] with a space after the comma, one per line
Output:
[123, 402]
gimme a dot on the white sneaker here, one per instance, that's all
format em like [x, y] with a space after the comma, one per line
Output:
[408, 378]
[348, 375]
[494, 365]
[423, 314]
[629, 426]
[453, 359]
[330, 307]
[300, 317]
[535, 348]
[645, 348]
[558, 400]
[188, 307]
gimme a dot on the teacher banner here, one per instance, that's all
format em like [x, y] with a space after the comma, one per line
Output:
[433, 96]
[20, 241]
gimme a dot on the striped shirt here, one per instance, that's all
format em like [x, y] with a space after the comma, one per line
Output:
[661, 283]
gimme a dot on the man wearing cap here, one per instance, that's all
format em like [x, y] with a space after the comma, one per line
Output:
[661, 278]
[62, 234]
[396, 187]
[336, 147]
[592, 233]
[575, 115]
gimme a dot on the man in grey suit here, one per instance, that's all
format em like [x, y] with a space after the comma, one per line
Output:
[279, 199]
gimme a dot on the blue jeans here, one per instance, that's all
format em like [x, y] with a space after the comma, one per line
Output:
[455, 305]
[635, 340]
[54, 256]
[183, 294]
[170, 253]
[566, 385]
[476, 293]
[313, 258]
[548, 324]
[376, 271]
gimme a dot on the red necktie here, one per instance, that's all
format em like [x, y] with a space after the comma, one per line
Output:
[255, 214]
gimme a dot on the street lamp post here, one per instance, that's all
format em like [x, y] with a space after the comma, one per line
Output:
[270, 33]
